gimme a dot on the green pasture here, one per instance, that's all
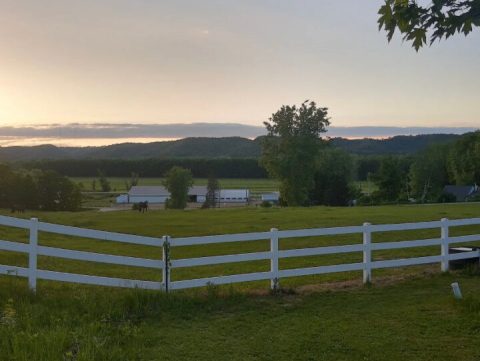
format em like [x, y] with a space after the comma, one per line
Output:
[405, 313]
[414, 319]
[238, 220]
[119, 184]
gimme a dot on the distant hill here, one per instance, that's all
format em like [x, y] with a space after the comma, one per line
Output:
[227, 147]
[402, 144]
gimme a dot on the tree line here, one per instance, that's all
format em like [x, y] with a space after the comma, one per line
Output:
[311, 171]
[421, 178]
[22, 189]
[200, 167]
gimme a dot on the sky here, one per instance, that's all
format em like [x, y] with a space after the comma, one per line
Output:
[224, 61]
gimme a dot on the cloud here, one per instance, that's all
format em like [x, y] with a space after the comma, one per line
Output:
[127, 131]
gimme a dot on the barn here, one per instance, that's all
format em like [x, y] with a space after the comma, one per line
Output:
[196, 194]
[233, 196]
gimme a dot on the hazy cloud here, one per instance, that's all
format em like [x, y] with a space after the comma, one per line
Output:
[169, 131]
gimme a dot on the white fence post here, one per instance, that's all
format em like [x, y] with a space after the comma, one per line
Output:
[444, 246]
[367, 253]
[274, 281]
[166, 262]
[32, 255]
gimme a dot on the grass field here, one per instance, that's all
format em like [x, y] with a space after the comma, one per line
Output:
[256, 186]
[414, 319]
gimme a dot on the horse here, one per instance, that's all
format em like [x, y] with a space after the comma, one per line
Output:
[143, 207]
[16, 208]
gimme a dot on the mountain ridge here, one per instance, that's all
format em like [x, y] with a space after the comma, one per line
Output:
[206, 147]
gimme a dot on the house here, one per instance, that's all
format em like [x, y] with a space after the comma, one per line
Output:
[196, 194]
[273, 197]
[462, 193]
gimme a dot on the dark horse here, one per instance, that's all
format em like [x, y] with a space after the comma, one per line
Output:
[143, 207]
[17, 208]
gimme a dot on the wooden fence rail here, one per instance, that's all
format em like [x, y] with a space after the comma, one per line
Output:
[167, 264]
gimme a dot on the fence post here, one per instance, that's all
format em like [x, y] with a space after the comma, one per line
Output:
[166, 262]
[32, 255]
[274, 281]
[444, 246]
[367, 253]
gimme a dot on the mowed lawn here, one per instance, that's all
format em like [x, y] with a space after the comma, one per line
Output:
[408, 313]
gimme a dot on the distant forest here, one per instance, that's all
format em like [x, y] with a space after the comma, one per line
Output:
[229, 147]
[232, 157]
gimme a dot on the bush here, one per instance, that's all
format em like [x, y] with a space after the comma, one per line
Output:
[266, 204]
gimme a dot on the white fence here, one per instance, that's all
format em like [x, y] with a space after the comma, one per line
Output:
[167, 265]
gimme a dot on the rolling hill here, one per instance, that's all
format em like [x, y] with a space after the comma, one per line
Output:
[226, 147]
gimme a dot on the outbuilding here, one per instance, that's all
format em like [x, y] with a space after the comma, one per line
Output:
[272, 197]
[196, 194]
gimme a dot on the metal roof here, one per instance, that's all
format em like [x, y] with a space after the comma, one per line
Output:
[148, 191]
[161, 191]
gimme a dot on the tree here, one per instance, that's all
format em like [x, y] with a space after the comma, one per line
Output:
[391, 179]
[290, 148]
[464, 159]
[442, 18]
[213, 189]
[428, 173]
[6, 176]
[178, 181]
[57, 193]
[133, 181]
[104, 183]
[333, 178]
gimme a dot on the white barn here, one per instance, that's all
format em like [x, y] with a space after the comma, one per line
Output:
[196, 194]
[159, 194]
[233, 196]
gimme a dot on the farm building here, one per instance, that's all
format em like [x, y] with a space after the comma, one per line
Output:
[273, 197]
[233, 196]
[462, 193]
[196, 194]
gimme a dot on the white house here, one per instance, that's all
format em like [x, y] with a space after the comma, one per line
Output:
[196, 194]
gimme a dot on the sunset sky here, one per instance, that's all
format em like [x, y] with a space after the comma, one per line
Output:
[225, 61]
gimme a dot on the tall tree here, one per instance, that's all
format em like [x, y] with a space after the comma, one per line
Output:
[442, 18]
[290, 148]
[178, 181]
[333, 178]
[391, 179]
[213, 189]
[104, 183]
[57, 193]
[464, 159]
[428, 173]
